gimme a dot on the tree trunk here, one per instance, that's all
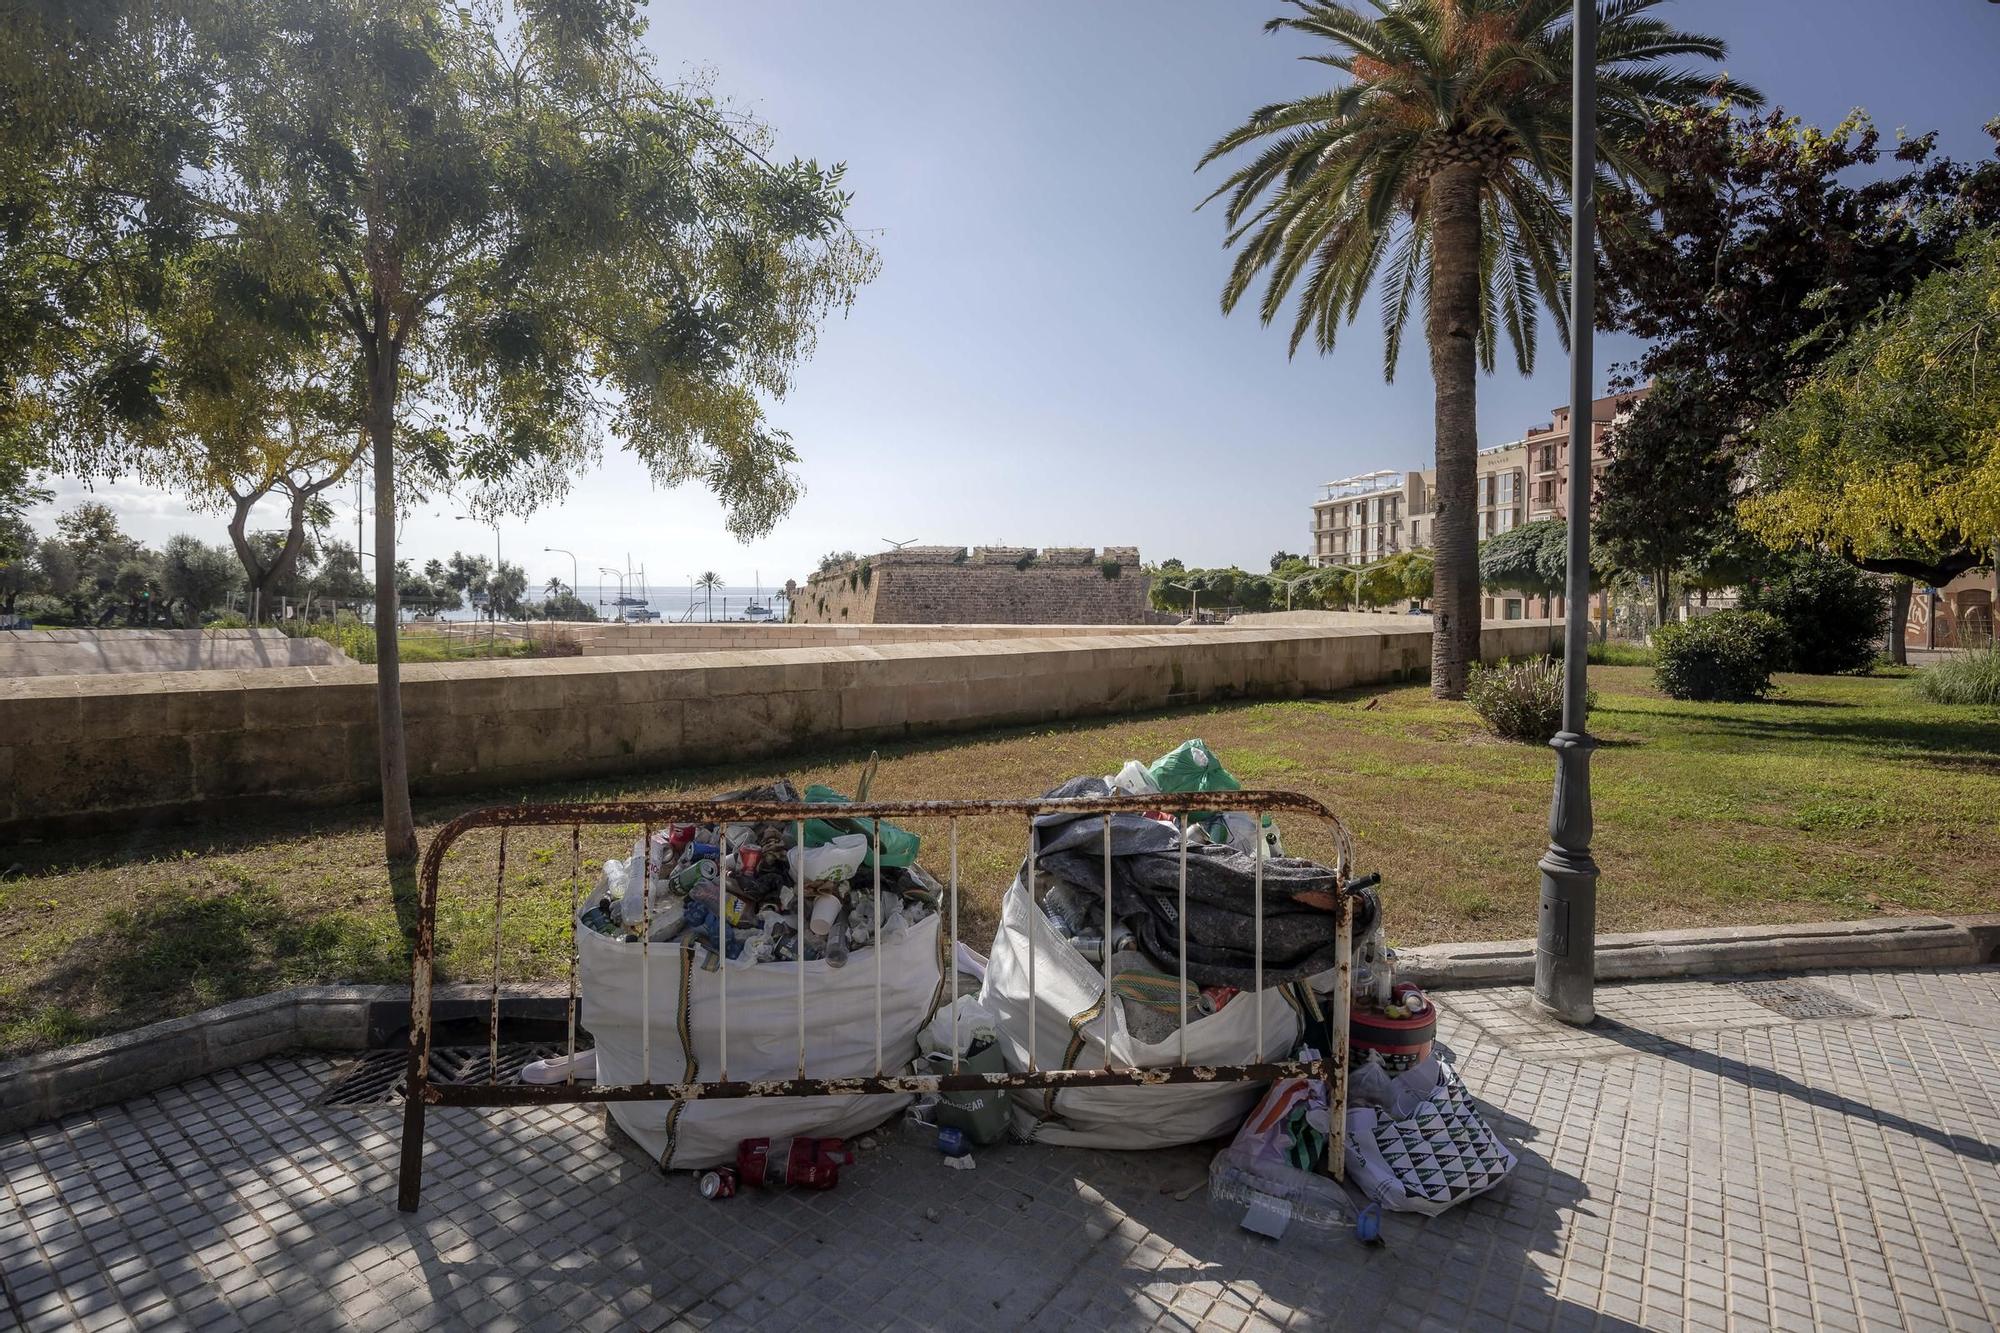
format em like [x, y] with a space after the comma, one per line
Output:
[1663, 596]
[1452, 324]
[399, 828]
[1899, 620]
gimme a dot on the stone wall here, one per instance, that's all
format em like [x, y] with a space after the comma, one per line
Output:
[83, 753]
[987, 585]
[90, 652]
[616, 639]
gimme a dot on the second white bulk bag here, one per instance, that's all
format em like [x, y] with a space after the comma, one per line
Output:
[1067, 1018]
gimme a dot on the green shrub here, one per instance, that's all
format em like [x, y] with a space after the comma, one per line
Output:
[1111, 569]
[1971, 679]
[1522, 701]
[1831, 613]
[1727, 655]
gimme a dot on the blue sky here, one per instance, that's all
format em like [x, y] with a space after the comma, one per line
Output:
[1042, 360]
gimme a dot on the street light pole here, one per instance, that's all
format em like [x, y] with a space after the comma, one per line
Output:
[1566, 943]
[1194, 600]
[573, 584]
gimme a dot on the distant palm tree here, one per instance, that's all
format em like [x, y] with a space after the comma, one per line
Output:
[1447, 153]
[708, 583]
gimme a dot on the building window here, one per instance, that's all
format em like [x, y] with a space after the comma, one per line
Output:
[1508, 487]
[1548, 458]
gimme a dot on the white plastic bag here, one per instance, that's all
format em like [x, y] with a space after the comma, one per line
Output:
[1133, 780]
[975, 1020]
[836, 860]
[1068, 1021]
[620, 982]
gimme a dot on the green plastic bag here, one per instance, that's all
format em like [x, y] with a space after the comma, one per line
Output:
[1190, 766]
[899, 845]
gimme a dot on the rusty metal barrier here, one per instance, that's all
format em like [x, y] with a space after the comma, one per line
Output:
[423, 1092]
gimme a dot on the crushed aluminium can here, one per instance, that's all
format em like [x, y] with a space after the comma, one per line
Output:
[719, 1183]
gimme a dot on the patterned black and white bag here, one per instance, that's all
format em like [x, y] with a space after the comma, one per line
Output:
[1441, 1154]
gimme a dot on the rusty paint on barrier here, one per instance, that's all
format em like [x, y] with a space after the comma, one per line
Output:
[867, 1085]
[423, 1093]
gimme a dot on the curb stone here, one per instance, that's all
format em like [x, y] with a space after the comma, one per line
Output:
[44, 1087]
[1905, 941]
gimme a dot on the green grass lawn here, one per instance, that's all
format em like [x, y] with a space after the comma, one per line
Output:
[1844, 797]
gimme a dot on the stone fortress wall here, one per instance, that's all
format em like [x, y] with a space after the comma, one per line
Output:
[986, 585]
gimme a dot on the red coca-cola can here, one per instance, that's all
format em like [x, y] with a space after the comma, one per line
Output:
[748, 859]
[717, 1184]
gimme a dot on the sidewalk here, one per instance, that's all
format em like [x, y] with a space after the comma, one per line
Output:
[1700, 1160]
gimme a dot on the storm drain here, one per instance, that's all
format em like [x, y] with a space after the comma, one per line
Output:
[1799, 999]
[378, 1078]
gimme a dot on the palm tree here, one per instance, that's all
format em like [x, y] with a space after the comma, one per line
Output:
[708, 583]
[1446, 153]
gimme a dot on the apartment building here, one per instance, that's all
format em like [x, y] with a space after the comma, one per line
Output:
[1361, 519]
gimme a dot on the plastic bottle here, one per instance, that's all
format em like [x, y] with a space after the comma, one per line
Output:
[836, 941]
[1258, 1197]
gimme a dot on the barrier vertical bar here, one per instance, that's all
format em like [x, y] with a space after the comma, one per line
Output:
[493, 1010]
[1257, 822]
[722, 935]
[1034, 1018]
[575, 889]
[1343, 999]
[646, 954]
[799, 947]
[878, 946]
[1182, 819]
[954, 944]
[1107, 939]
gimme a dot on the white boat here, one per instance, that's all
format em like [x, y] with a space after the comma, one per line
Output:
[755, 611]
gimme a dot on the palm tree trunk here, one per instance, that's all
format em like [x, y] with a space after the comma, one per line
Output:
[1452, 199]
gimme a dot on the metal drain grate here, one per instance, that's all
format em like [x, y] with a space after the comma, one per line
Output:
[1799, 999]
[377, 1078]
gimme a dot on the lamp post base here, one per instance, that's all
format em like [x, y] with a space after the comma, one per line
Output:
[1566, 940]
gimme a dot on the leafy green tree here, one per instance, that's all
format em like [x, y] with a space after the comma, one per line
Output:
[1444, 154]
[560, 602]
[504, 588]
[1532, 559]
[518, 240]
[340, 577]
[1407, 576]
[195, 577]
[1758, 242]
[1674, 445]
[1889, 455]
[466, 576]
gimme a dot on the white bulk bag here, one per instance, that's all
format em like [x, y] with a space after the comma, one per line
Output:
[763, 1037]
[1069, 1035]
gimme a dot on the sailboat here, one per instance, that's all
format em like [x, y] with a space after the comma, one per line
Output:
[757, 610]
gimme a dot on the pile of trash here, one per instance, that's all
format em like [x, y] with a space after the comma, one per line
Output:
[1056, 910]
[654, 973]
[691, 878]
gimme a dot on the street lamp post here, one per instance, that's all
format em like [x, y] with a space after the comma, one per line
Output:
[1194, 598]
[573, 584]
[618, 574]
[1566, 943]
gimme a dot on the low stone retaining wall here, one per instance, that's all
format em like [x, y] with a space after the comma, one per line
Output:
[607, 639]
[93, 652]
[90, 752]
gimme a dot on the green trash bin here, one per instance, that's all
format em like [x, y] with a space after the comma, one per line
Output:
[981, 1116]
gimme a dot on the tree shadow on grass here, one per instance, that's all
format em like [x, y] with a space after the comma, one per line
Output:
[186, 952]
[1902, 739]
